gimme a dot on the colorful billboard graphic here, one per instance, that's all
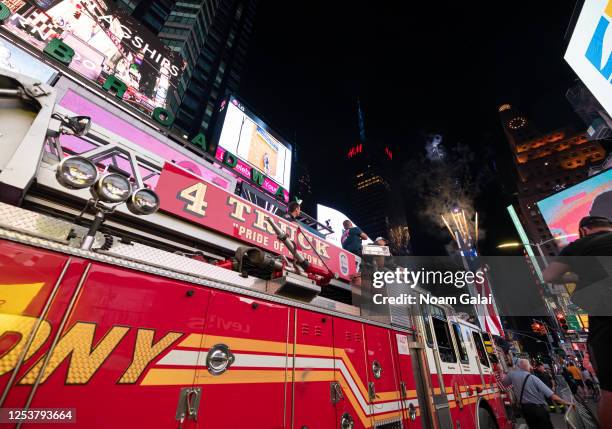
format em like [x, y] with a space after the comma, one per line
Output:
[188, 197]
[243, 134]
[563, 211]
[106, 41]
[590, 48]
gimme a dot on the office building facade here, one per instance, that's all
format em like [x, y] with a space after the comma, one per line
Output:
[545, 163]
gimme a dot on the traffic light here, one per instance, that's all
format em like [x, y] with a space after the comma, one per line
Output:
[562, 322]
[538, 328]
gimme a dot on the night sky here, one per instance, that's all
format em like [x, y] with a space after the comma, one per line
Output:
[417, 69]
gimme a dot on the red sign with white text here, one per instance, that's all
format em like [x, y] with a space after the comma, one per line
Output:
[190, 197]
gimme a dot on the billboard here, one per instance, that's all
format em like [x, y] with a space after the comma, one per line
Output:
[106, 41]
[335, 218]
[18, 61]
[563, 210]
[244, 135]
[589, 49]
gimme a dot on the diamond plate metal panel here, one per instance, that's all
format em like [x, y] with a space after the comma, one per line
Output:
[162, 259]
[32, 223]
[389, 424]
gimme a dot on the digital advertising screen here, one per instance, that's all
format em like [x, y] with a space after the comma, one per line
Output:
[335, 218]
[246, 136]
[590, 47]
[106, 41]
[563, 210]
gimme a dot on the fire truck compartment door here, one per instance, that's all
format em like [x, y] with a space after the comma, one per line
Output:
[409, 376]
[34, 283]
[313, 370]
[255, 386]
[382, 375]
[129, 344]
[351, 373]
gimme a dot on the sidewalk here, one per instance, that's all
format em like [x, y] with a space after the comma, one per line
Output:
[557, 418]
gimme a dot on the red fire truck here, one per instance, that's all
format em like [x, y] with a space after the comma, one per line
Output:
[209, 312]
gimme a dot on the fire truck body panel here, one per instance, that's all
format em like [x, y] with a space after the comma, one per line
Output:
[138, 337]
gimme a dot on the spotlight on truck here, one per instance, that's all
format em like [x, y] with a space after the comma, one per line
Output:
[143, 202]
[76, 172]
[112, 188]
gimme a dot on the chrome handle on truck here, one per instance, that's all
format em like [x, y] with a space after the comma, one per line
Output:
[218, 359]
[376, 369]
[371, 391]
[336, 392]
[188, 404]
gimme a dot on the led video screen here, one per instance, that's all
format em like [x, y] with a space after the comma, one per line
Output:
[106, 41]
[563, 210]
[247, 137]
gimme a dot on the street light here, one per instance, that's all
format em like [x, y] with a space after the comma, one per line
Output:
[536, 264]
[536, 245]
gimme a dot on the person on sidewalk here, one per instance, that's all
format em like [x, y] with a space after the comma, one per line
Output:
[540, 372]
[531, 394]
[587, 377]
[577, 375]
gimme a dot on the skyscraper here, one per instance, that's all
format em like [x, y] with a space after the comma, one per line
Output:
[212, 36]
[545, 163]
[374, 203]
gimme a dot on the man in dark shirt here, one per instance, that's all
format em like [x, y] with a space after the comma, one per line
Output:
[540, 372]
[352, 237]
[293, 211]
[595, 240]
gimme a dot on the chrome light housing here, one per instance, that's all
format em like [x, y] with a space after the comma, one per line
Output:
[346, 422]
[78, 125]
[112, 188]
[412, 414]
[143, 202]
[76, 172]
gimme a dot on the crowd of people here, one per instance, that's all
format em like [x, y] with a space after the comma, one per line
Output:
[539, 389]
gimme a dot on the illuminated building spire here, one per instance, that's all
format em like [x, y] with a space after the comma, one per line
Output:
[360, 122]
